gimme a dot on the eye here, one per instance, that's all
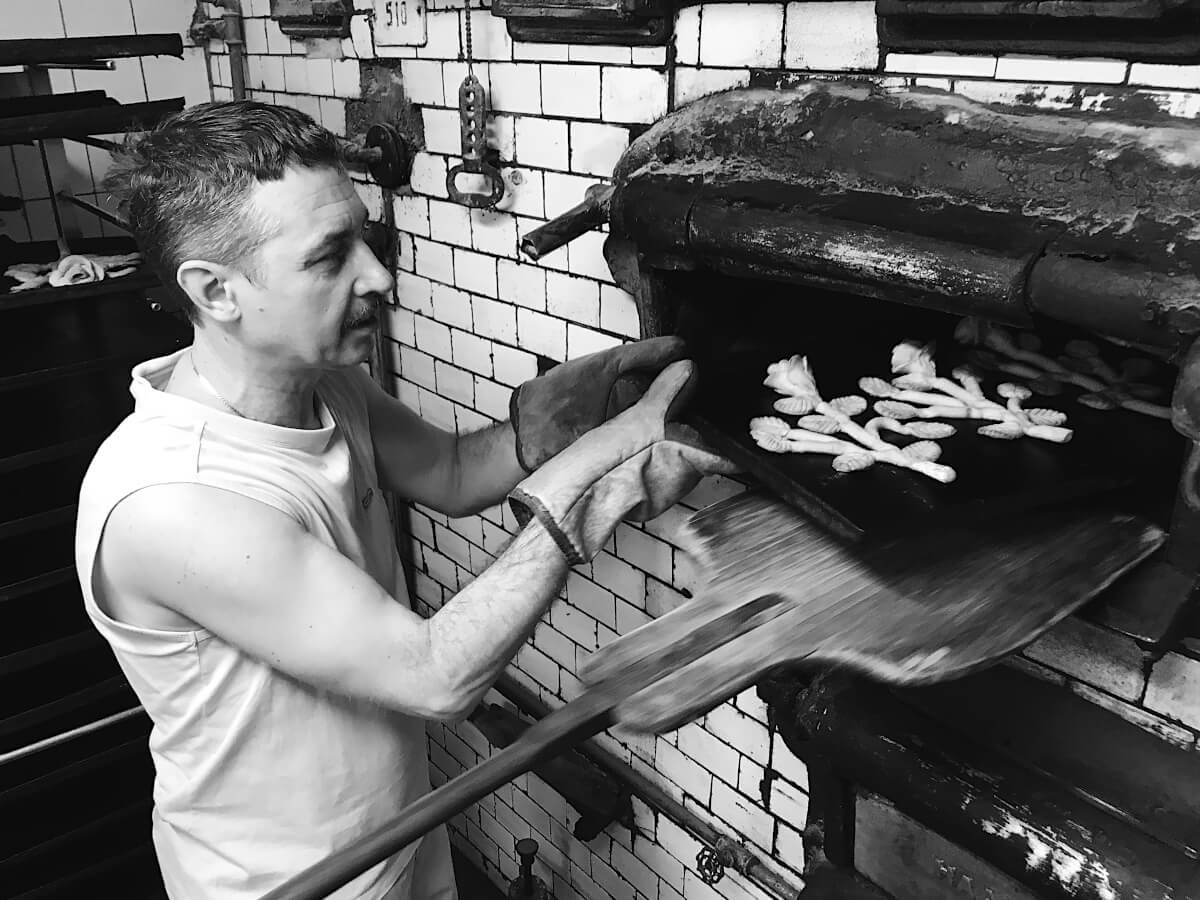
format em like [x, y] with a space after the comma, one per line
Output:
[334, 258]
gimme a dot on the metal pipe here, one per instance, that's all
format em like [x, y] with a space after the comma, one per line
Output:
[102, 65]
[107, 119]
[110, 146]
[360, 155]
[237, 46]
[228, 29]
[62, 738]
[97, 211]
[69, 52]
[745, 860]
[583, 217]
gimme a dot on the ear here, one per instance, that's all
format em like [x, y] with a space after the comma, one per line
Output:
[209, 286]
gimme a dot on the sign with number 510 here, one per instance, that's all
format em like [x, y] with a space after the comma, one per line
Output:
[400, 23]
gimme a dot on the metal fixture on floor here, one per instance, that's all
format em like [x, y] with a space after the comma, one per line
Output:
[527, 886]
[742, 859]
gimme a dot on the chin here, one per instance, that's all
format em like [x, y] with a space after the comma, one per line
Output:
[356, 348]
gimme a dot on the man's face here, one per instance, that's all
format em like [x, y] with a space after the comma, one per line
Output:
[317, 289]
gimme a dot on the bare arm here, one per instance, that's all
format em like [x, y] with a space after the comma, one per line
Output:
[457, 475]
[253, 576]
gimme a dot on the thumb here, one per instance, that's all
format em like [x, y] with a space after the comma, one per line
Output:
[652, 354]
[659, 398]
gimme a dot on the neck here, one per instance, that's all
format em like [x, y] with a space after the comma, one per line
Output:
[254, 388]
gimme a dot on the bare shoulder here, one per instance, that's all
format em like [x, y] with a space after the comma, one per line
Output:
[162, 544]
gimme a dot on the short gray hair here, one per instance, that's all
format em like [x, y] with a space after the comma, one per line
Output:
[186, 184]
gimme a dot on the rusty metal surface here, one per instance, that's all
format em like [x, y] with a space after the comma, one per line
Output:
[1017, 804]
[1067, 9]
[1117, 194]
[1143, 30]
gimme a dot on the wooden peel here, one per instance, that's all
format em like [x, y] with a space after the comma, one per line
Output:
[780, 590]
[913, 610]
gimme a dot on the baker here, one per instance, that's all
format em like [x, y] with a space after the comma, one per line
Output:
[233, 545]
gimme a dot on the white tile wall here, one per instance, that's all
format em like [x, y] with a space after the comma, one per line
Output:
[599, 53]
[515, 88]
[595, 149]
[541, 142]
[547, 52]
[443, 130]
[687, 36]
[1167, 76]
[422, 81]
[832, 36]
[692, 84]
[955, 64]
[87, 18]
[742, 35]
[571, 91]
[633, 94]
[1037, 68]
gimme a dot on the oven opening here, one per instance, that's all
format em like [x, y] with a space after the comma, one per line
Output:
[736, 327]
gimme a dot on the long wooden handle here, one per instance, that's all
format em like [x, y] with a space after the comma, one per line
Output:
[586, 715]
[583, 717]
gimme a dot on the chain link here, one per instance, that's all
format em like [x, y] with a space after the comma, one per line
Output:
[470, 53]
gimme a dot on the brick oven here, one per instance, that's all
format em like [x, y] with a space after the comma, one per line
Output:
[834, 220]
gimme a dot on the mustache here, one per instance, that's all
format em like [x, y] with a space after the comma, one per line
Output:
[363, 316]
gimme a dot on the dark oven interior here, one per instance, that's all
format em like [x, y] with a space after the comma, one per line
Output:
[736, 327]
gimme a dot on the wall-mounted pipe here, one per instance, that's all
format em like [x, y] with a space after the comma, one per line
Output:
[228, 29]
[583, 217]
[97, 211]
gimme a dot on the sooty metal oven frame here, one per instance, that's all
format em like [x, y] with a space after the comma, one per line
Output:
[999, 786]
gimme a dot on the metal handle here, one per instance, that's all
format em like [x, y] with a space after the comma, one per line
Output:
[472, 112]
[470, 198]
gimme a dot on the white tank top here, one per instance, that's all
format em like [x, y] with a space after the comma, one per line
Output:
[259, 776]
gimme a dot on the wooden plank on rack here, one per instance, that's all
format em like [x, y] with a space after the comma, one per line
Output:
[133, 282]
[52, 103]
[108, 119]
[31, 51]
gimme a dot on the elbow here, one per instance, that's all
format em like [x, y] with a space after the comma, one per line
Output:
[456, 509]
[452, 705]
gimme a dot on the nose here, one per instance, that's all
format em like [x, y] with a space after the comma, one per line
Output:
[374, 278]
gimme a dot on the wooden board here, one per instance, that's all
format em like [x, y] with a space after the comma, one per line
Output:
[915, 610]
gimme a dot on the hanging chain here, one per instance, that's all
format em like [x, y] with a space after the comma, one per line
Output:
[472, 114]
[470, 54]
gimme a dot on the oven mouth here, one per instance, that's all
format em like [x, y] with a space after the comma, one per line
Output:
[736, 327]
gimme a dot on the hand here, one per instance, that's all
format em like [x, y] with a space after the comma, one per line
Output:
[635, 465]
[668, 470]
[551, 411]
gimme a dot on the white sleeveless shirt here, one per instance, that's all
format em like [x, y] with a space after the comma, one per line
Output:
[257, 775]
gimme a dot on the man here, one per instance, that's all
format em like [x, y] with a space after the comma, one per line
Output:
[233, 546]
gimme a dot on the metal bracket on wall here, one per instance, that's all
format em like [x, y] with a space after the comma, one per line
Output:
[313, 18]
[385, 154]
[636, 23]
